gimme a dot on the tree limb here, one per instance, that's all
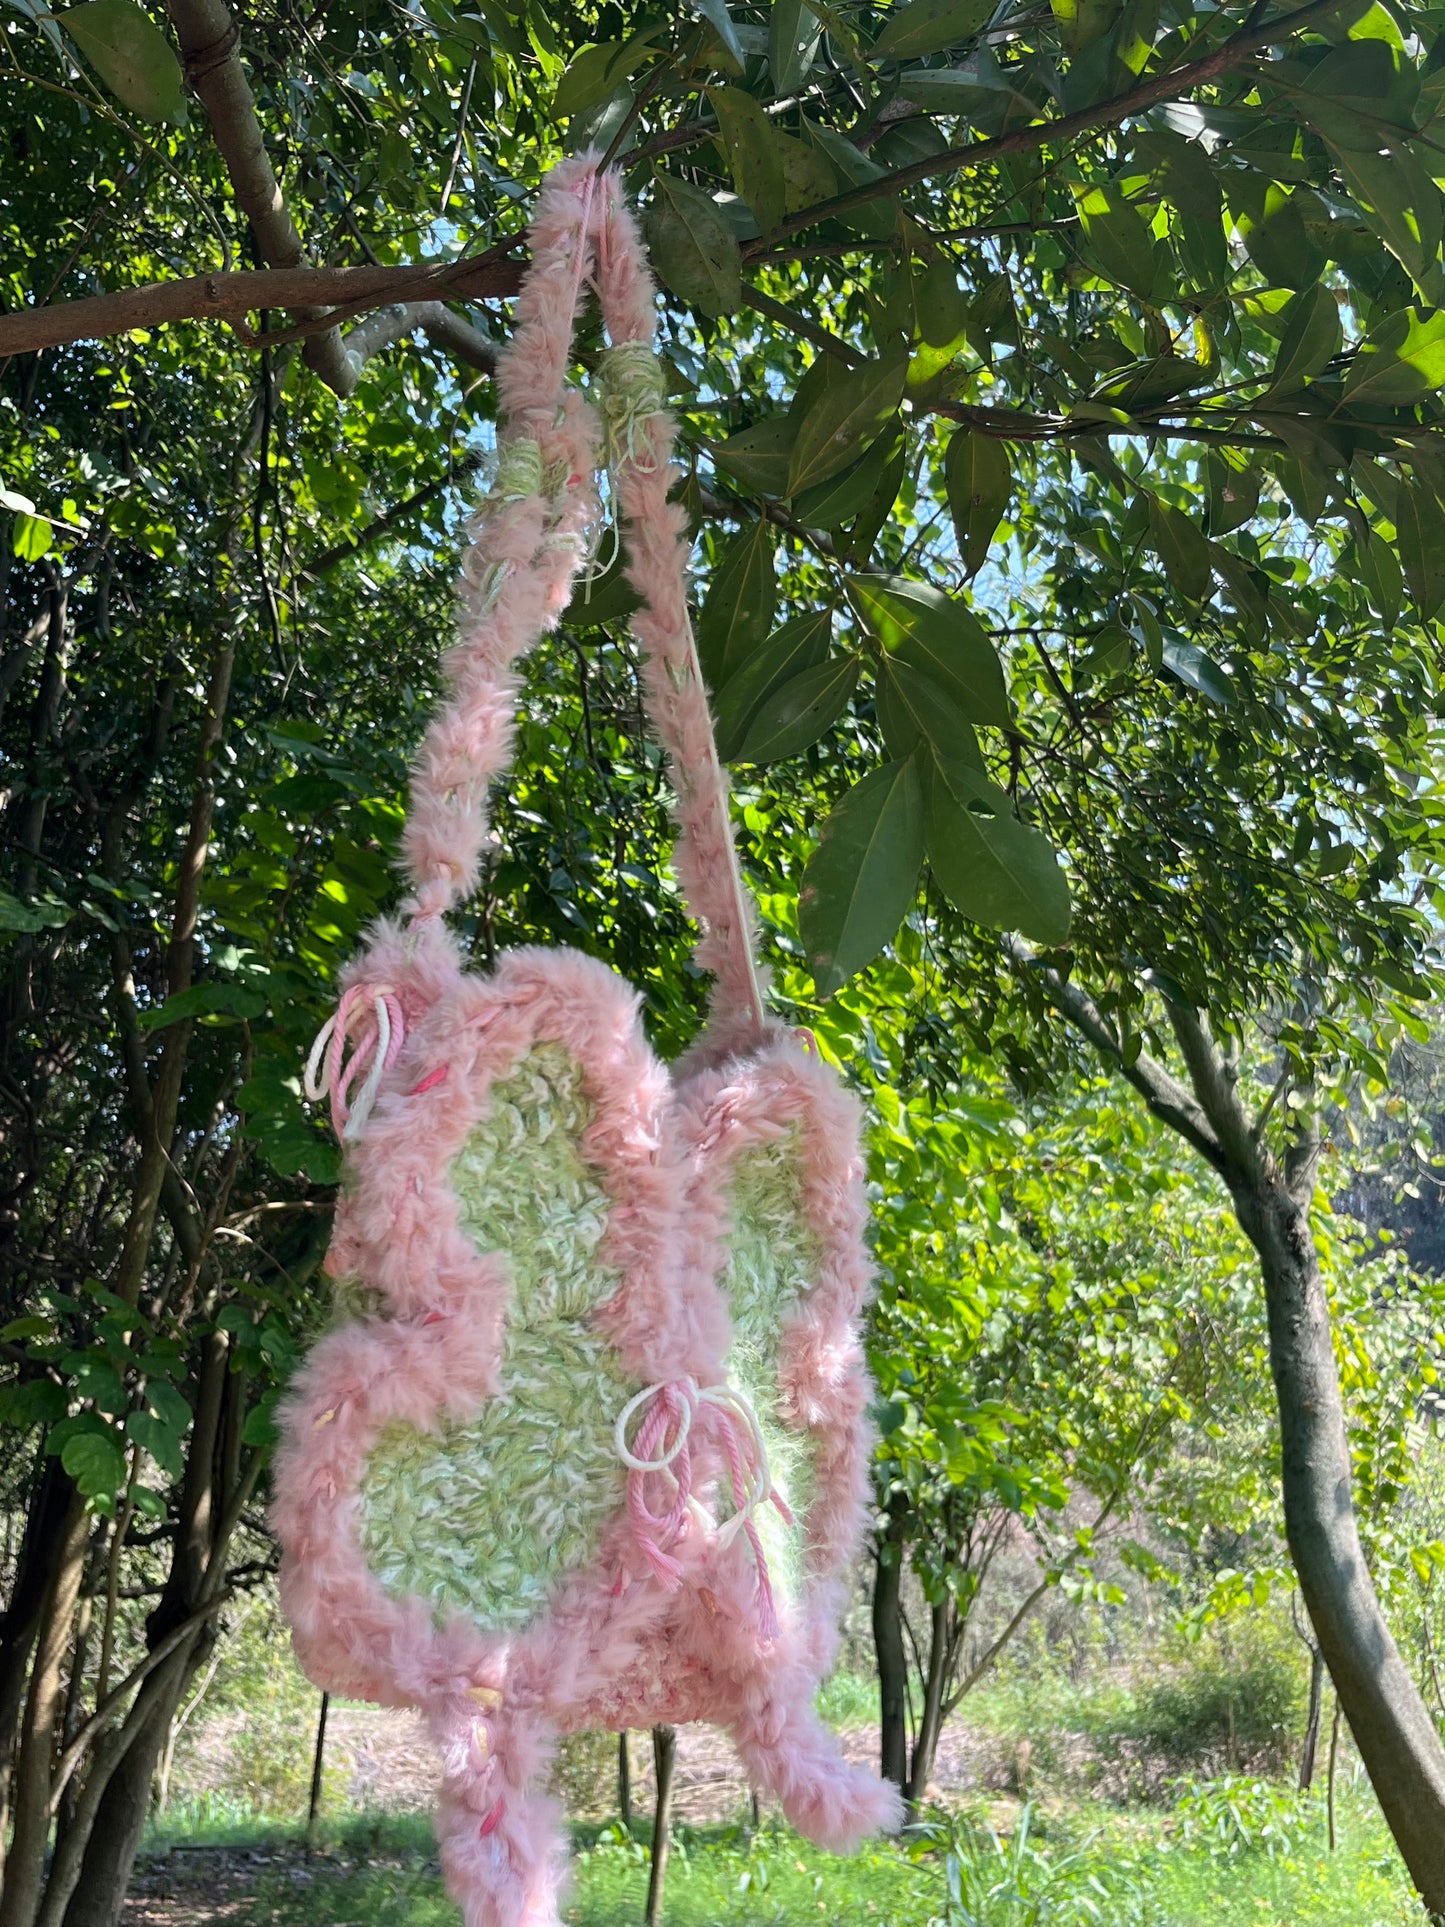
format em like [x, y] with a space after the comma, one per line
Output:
[385, 522]
[1215, 1087]
[83, 1735]
[1166, 1097]
[1086, 120]
[210, 42]
[232, 296]
[431, 318]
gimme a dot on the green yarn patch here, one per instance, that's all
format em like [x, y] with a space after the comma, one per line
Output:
[773, 1260]
[487, 1517]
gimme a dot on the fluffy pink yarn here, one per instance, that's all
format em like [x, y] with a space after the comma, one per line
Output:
[618, 1644]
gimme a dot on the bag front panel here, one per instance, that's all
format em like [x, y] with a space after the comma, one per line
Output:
[512, 1219]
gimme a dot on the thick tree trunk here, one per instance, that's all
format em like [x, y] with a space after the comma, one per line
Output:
[116, 1821]
[1392, 1728]
[25, 1864]
[39, 1553]
[1396, 1737]
[925, 1747]
[888, 1650]
[90, 1873]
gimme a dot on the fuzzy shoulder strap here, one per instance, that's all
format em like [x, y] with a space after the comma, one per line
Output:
[530, 537]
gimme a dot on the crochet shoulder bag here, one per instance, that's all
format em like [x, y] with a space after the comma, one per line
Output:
[585, 1445]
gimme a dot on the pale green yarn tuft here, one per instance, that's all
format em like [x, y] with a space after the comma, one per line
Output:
[632, 391]
[487, 1517]
[519, 470]
[773, 1260]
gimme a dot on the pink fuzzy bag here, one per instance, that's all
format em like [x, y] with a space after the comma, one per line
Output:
[586, 1446]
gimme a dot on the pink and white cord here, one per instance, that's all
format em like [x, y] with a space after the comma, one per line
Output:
[670, 1409]
[373, 1012]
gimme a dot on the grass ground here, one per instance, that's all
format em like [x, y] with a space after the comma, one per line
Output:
[1070, 1866]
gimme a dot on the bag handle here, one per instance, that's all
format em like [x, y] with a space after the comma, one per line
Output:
[640, 435]
[527, 539]
[531, 536]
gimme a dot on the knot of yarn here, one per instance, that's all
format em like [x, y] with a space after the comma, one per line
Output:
[633, 391]
[519, 470]
[373, 1012]
[670, 1409]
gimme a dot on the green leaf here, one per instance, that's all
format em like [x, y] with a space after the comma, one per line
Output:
[799, 712]
[991, 867]
[39, 1401]
[1119, 241]
[168, 1404]
[97, 1379]
[863, 876]
[1364, 78]
[759, 456]
[165, 1446]
[798, 645]
[741, 597]
[1420, 535]
[1305, 485]
[609, 599]
[914, 709]
[1188, 663]
[1277, 242]
[693, 247]
[808, 176]
[854, 168]
[1085, 21]
[754, 157]
[976, 471]
[1233, 489]
[260, 1427]
[95, 1459]
[721, 21]
[1400, 361]
[927, 26]
[597, 72]
[32, 1327]
[48, 913]
[835, 502]
[31, 537]
[942, 307]
[940, 636]
[1181, 546]
[1402, 204]
[131, 55]
[1382, 575]
[844, 420]
[218, 1001]
[794, 31]
[1311, 339]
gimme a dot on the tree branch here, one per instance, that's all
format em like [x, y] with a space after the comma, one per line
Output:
[385, 522]
[1087, 120]
[210, 42]
[83, 1735]
[431, 318]
[1214, 1086]
[1166, 1097]
[232, 296]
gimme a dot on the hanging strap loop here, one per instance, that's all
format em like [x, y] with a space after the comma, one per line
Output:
[530, 537]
